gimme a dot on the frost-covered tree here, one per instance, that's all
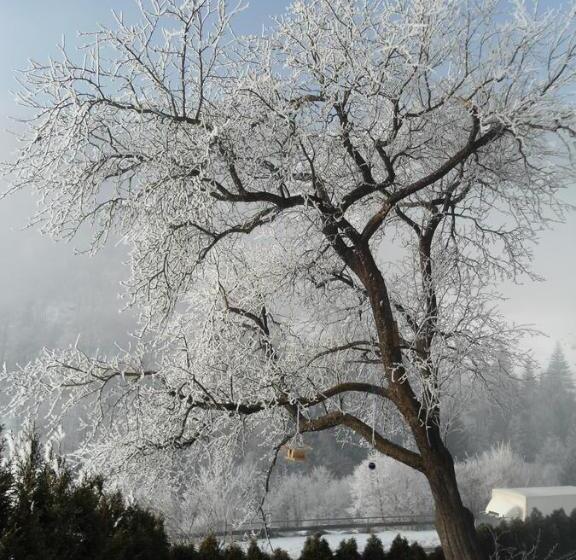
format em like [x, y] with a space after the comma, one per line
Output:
[317, 218]
[316, 495]
[499, 467]
[211, 498]
[391, 488]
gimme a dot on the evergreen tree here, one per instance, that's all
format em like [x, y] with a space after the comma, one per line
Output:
[436, 554]
[525, 432]
[568, 467]
[280, 554]
[486, 422]
[545, 538]
[373, 549]
[347, 550]
[417, 552]
[557, 397]
[399, 549]
[234, 552]
[209, 549]
[25, 535]
[183, 552]
[50, 516]
[139, 535]
[316, 547]
[255, 553]
[6, 481]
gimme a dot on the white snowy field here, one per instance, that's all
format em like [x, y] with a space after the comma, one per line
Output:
[293, 545]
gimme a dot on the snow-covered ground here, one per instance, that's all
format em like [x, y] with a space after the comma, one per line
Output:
[293, 545]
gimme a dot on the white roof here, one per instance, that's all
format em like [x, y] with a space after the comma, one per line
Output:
[538, 491]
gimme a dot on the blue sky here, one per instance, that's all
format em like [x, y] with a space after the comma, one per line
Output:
[33, 29]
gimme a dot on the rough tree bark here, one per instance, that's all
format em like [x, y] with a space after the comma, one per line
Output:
[454, 522]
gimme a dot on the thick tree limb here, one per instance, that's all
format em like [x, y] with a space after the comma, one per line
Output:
[471, 147]
[385, 446]
[253, 408]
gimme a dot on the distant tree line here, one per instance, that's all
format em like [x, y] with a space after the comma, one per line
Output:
[538, 420]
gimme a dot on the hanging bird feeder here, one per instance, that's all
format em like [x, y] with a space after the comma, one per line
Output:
[296, 450]
[296, 453]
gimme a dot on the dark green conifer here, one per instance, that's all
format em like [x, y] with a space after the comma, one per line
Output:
[347, 550]
[209, 549]
[417, 552]
[399, 549]
[316, 547]
[183, 552]
[557, 397]
[234, 552]
[373, 549]
[280, 554]
[255, 553]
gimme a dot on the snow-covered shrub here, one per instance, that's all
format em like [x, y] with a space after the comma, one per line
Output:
[390, 489]
[499, 467]
[309, 496]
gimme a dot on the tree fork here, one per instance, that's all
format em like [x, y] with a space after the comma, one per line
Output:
[454, 522]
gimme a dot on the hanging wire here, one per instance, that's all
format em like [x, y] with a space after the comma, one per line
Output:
[373, 422]
[372, 464]
[297, 419]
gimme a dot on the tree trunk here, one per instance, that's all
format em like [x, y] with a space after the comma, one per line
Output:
[454, 522]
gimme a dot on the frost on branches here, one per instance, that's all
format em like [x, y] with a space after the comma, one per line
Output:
[317, 217]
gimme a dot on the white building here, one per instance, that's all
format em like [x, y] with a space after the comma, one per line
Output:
[519, 502]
